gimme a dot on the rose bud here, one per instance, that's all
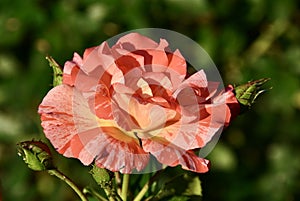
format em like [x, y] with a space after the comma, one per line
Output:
[246, 94]
[100, 175]
[36, 155]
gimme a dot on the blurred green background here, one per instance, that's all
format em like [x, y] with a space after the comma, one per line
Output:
[257, 157]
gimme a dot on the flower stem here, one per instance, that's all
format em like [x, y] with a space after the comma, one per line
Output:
[145, 188]
[125, 184]
[68, 181]
[118, 182]
[91, 191]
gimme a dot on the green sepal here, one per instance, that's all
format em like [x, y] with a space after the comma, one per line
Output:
[57, 71]
[36, 155]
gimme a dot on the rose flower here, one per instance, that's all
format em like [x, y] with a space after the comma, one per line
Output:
[119, 105]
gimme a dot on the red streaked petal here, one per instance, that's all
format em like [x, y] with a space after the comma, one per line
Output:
[145, 116]
[232, 103]
[60, 117]
[123, 156]
[157, 79]
[98, 57]
[76, 132]
[184, 136]
[173, 156]
[158, 55]
[103, 107]
[177, 63]
[126, 63]
[196, 80]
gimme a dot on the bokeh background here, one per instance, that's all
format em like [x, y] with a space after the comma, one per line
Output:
[257, 157]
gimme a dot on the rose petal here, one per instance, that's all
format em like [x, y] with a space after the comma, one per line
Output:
[158, 55]
[134, 45]
[127, 63]
[196, 80]
[123, 156]
[185, 136]
[76, 132]
[145, 115]
[99, 56]
[59, 121]
[120, 99]
[101, 106]
[158, 79]
[178, 64]
[71, 69]
[233, 106]
[136, 41]
[173, 156]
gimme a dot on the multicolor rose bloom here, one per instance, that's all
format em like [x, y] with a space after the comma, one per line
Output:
[119, 105]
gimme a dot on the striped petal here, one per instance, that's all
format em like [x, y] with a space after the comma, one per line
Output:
[76, 132]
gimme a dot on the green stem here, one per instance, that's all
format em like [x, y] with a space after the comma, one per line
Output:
[118, 183]
[91, 191]
[108, 193]
[125, 184]
[68, 181]
[145, 188]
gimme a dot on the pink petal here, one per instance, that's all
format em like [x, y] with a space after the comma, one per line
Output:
[76, 132]
[133, 46]
[70, 73]
[159, 56]
[99, 62]
[158, 79]
[184, 136]
[194, 128]
[233, 108]
[83, 82]
[88, 51]
[173, 156]
[196, 80]
[135, 41]
[127, 63]
[100, 56]
[61, 121]
[101, 106]
[123, 156]
[160, 101]
[145, 115]
[177, 63]
[96, 92]
[97, 66]
[150, 116]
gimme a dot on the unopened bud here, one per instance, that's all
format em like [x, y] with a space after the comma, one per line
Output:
[246, 94]
[101, 176]
[36, 155]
